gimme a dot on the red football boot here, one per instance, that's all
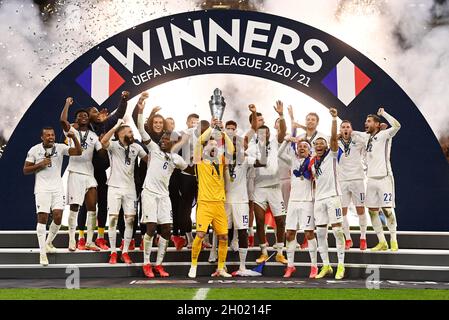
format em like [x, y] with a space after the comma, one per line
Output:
[289, 271]
[160, 270]
[348, 244]
[132, 245]
[179, 242]
[81, 244]
[113, 258]
[147, 270]
[363, 245]
[125, 258]
[102, 244]
[313, 272]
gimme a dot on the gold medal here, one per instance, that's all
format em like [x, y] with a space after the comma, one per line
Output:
[302, 178]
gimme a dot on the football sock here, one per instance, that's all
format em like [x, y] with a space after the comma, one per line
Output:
[363, 225]
[147, 244]
[196, 248]
[346, 228]
[222, 252]
[162, 248]
[377, 225]
[129, 224]
[291, 246]
[340, 241]
[242, 255]
[391, 222]
[53, 230]
[322, 244]
[72, 224]
[100, 233]
[91, 223]
[263, 248]
[40, 230]
[312, 251]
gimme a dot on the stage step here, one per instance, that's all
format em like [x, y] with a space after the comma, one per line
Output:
[63, 256]
[180, 269]
[406, 239]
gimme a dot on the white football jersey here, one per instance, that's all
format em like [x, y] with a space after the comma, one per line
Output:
[89, 142]
[160, 168]
[236, 181]
[326, 176]
[300, 178]
[313, 138]
[48, 179]
[122, 164]
[267, 176]
[351, 161]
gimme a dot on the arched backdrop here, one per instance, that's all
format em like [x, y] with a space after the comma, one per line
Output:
[313, 62]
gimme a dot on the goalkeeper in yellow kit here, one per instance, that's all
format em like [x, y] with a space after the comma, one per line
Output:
[209, 158]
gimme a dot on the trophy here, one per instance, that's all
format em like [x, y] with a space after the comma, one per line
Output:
[217, 105]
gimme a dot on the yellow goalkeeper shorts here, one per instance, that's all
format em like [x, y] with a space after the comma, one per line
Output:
[208, 212]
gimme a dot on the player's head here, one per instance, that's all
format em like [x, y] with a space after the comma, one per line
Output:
[170, 124]
[303, 148]
[346, 129]
[82, 117]
[94, 114]
[125, 135]
[263, 134]
[192, 120]
[157, 124]
[48, 137]
[260, 119]
[231, 128]
[320, 145]
[210, 150]
[312, 121]
[166, 143]
[372, 124]
[204, 125]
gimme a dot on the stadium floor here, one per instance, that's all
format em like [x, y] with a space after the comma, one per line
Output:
[214, 283]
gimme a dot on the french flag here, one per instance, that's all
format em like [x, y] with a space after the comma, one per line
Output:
[100, 80]
[346, 81]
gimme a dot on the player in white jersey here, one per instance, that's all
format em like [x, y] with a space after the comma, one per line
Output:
[81, 185]
[267, 190]
[123, 154]
[236, 204]
[311, 134]
[300, 208]
[156, 205]
[45, 161]
[351, 177]
[260, 121]
[380, 186]
[327, 207]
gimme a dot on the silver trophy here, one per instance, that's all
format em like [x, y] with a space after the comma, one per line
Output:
[217, 105]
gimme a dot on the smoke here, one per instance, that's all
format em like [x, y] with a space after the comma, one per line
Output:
[408, 39]
[36, 45]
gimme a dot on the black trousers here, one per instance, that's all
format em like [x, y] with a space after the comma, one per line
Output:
[188, 190]
[175, 197]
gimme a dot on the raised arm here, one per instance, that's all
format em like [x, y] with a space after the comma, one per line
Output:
[395, 125]
[65, 114]
[279, 108]
[107, 137]
[198, 149]
[251, 132]
[75, 151]
[119, 113]
[334, 139]
[283, 152]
